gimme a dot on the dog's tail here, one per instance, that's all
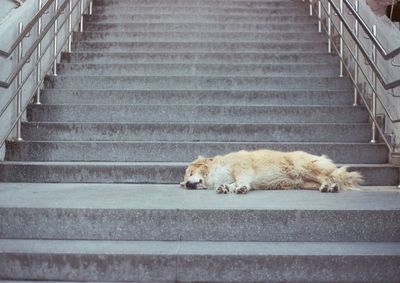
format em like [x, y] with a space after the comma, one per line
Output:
[345, 179]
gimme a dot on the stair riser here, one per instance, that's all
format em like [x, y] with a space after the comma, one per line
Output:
[193, 18]
[196, 83]
[199, 10]
[198, 70]
[284, 97]
[221, 47]
[146, 174]
[200, 3]
[196, 113]
[199, 58]
[196, 36]
[198, 268]
[201, 225]
[179, 152]
[202, 27]
[192, 132]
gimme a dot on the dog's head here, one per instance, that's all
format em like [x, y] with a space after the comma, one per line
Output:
[196, 174]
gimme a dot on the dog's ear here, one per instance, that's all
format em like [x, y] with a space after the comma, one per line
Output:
[201, 157]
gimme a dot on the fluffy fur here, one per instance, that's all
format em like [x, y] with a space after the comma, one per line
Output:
[242, 171]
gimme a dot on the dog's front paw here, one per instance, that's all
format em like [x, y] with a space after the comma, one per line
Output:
[241, 190]
[332, 188]
[222, 189]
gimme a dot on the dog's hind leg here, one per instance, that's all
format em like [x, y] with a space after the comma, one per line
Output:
[243, 181]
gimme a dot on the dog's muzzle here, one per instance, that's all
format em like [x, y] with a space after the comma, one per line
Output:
[194, 186]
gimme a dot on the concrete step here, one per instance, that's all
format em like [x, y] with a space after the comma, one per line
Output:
[199, 27]
[206, 97]
[197, 36]
[199, 10]
[200, 3]
[197, 113]
[148, 151]
[205, 18]
[301, 70]
[184, 131]
[213, 47]
[198, 262]
[199, 57]
[280, 81]
[143, 172]
[168, 213]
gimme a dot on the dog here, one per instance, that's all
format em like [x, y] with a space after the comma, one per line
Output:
[242, 171]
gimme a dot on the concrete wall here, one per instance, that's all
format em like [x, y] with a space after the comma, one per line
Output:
[8, 33]
[389, 35]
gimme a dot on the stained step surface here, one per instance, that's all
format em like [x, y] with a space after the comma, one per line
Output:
[147, 151]
[201, 97]
[216, 132]
[193, 261]
[168, 213]
[197, 113]
[144, 172]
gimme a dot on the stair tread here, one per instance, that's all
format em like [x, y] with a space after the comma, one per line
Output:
[202, 142]
[151, 163]
[183, 248]
[188, 123]
[155, 196]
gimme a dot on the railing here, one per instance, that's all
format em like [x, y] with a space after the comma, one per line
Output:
[326, 20]
[49, 36]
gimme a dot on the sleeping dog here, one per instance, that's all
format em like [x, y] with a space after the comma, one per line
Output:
[242, 171]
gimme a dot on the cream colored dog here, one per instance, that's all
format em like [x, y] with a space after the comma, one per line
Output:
[242, 171]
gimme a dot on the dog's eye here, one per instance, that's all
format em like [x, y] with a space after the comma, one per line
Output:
[191, 174]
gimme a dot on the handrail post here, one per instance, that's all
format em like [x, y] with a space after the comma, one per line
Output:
[311, 9]
[19, 82]
[90, 7]
[319, 16]
[355, 101]
[373, 140]
[341, 39]
[329, 28]
[81, 14]
[55, 40]
[38, 56]
[70, 26]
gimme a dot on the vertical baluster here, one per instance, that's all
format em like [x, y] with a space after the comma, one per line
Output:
[19, 82]
[91, 7]
[38, 57]
[319, 16]
[329, 28]
[355, 102]
[70, 26]
[55, 40]
[81, 13]
[341, 40]
[311, 9]
[374, 59]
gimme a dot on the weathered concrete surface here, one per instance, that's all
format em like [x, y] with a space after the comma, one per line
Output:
[142, 196]
[199, 262]
[162, 212]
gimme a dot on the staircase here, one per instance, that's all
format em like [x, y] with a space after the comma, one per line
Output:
[149, 86]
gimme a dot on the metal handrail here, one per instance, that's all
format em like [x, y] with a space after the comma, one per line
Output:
[9, 81]
[386, 85]
[372, 111]
[386, 55]
[17, 72]
[27, 29]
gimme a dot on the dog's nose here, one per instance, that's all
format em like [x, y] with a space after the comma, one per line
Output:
[191, 186]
